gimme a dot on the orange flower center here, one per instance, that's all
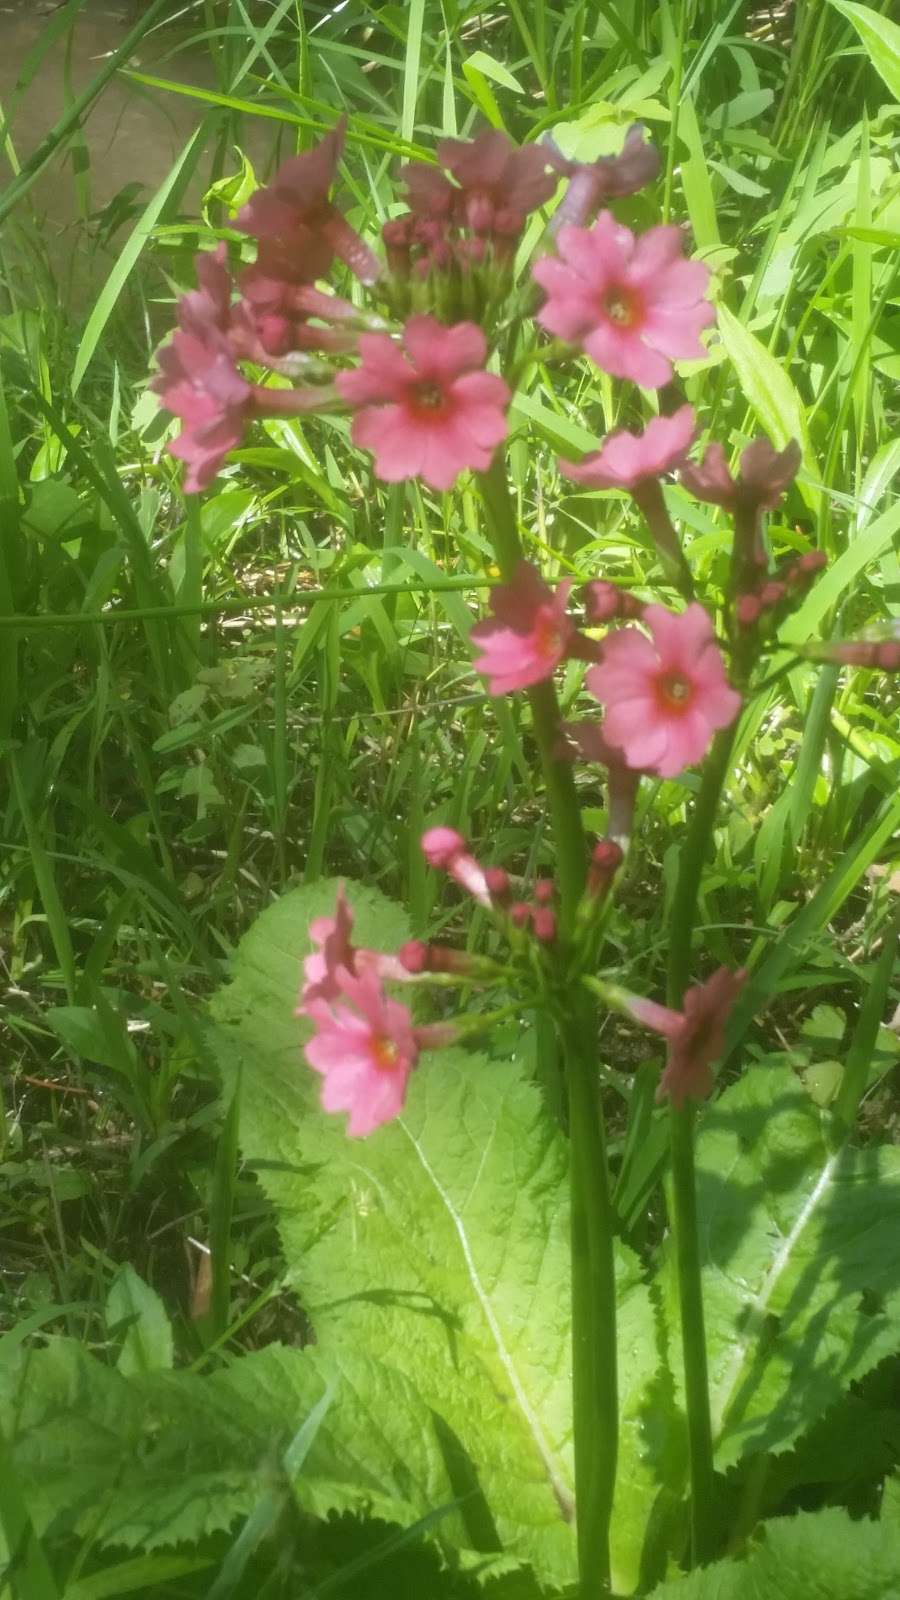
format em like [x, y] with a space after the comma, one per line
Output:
[547, 637]
[385, 1053]
[675, 691]
[621, 306]
[429, 396]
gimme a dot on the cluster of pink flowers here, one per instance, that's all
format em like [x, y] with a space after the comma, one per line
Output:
[365, 1045]
[423, 400]
[664, 696]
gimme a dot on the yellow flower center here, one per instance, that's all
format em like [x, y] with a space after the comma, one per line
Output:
[385, 1053]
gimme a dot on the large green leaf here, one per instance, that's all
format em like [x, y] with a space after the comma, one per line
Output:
[441, 1244]
[802, 1275]
[819, 1556]
[165, 1458]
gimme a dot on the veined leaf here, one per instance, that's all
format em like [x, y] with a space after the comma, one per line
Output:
[794, 1237]
[166, 1458]
[823, 1553]
[442, 1241]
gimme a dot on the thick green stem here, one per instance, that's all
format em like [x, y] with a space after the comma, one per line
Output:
[681, 1136]
[693, 1331]
[595, 1401]
[690, 865]
[594, 1378]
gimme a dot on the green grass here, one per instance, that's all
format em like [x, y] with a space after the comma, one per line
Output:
[205, 703]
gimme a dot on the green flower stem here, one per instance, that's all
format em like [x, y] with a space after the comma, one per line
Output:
[681, 1138]
[594, 1376]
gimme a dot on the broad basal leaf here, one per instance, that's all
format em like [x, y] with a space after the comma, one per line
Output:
[163, 1458]
[822, 1556]
[802, 1273]
[439, 1244]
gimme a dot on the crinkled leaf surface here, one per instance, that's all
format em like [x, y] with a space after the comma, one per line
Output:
[817, 1556]
[439, 1244]
[164, 1458]
[802, 1265]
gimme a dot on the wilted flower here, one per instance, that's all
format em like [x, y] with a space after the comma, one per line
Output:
[432, 411]
[591, 183]
[632, 304]
[664, 696]
[299, 228]
[695, 1035]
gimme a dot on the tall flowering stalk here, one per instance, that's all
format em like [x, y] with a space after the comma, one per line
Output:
[427, 370]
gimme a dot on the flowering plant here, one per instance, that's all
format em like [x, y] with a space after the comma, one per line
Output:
[425, 349]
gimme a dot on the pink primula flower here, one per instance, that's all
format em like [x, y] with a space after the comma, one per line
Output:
[299, 228]
[665, 696]
[626, 459]
[428, 410]
[199, 382]
[528, 635]
[365, 1052]
[633, 304]
[695, 1035]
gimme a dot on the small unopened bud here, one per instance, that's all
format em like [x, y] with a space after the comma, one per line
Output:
[519, 913]
[544, 890]
[605, 602]
[771, 594]
[497, 880]
[865, 653]
[480, 213]
[747, 609]
[606, 859]
[276, 334]
[810, 563]
[543, 921]
[414, 956]
[396, 236]
[441, 846]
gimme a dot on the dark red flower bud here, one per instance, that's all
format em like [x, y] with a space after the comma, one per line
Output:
[519, 913]
[414, 956]
[497, 880]
[544, 890]
[543, 921]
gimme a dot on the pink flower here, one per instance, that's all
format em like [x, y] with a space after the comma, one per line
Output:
[447, 850]
[295, 219]
[607, 178]
[664, 697]
[364, 1051]
[626, 459]
[633, 304]
[336, 951]
[199, 382]
[696, 1035]
[430, 412]
[529, 634]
